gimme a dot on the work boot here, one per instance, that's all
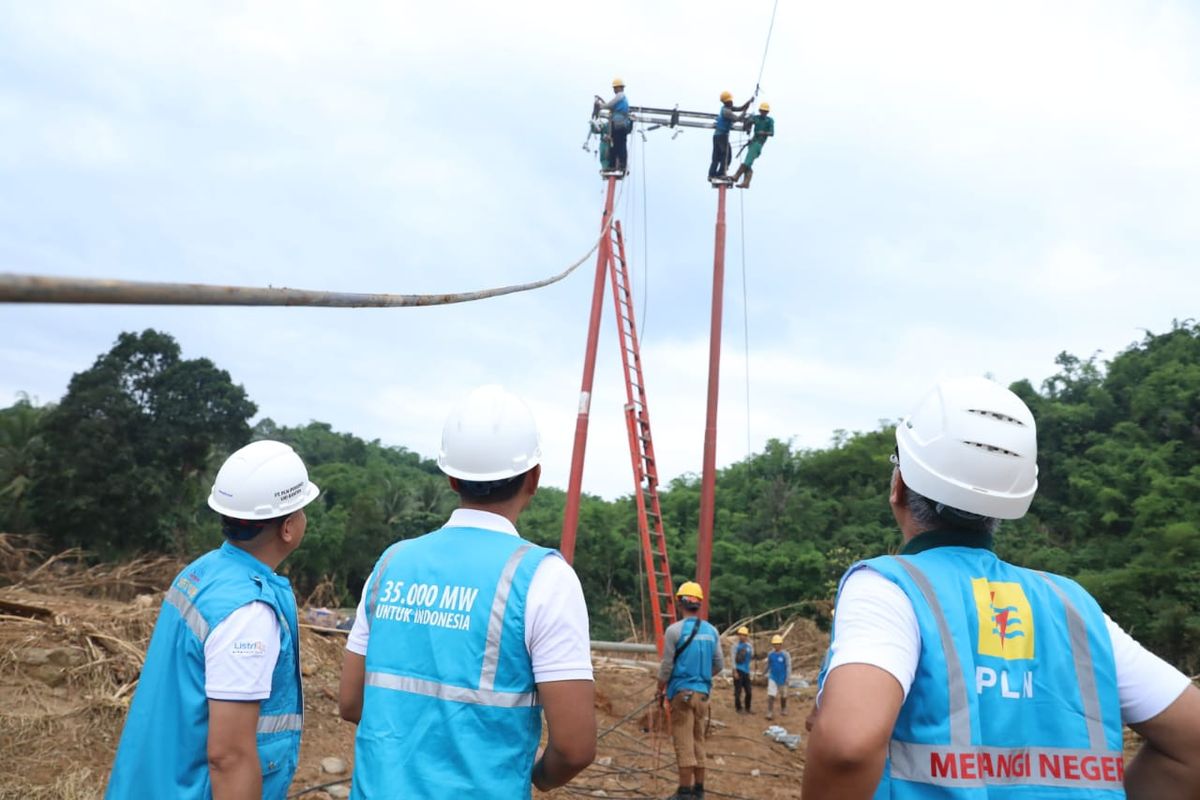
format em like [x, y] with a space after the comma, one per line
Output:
[698, 790]
[741, 169]
[682, 793]
[745, 184]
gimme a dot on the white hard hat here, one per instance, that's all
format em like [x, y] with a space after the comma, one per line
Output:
[262, 480]
[489, 437]
[972, 445]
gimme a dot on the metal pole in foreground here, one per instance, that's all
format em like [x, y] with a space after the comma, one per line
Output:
[574, 486]
[708, 480]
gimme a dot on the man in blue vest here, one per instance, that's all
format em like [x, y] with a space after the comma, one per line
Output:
[743, 657]
[466, 635]
[217, 712]
[779, 669]
[691, 656]
[620, 124]
[721, 155]
[954, 674]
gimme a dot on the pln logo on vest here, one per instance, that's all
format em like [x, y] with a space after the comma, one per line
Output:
[1005, 619]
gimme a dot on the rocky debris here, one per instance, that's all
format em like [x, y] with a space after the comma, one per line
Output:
[780, 734]
[49, 665]
[341, 790]
[606, 761]
[754, 773]
[333, 765]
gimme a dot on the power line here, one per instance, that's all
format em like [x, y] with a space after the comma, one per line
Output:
[17, 288]
[766, 47]
[645, 247]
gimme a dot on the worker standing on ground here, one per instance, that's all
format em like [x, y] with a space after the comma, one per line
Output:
[779, 669]
[743, 656]
[763, 125]
[952, 673]
[217, 711]
[726, 118]
[466, 635]
[619, 126]
[691, 656]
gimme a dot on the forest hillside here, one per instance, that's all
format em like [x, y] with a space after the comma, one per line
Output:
[122, 464]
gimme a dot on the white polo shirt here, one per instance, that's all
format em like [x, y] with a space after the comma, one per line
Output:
[557, 633]
[240, 654]
[877, 625]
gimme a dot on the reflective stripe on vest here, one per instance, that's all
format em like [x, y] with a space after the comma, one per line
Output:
[191, 616]
[457, 694]
[963, 764]
[491, 650]
[387, 559]
[960, 709]
[1077, 630]
[1006, 766]
[280, 722]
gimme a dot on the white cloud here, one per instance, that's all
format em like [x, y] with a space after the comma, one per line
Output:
[954, 189]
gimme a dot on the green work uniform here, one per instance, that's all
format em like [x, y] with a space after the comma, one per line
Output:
[764, 126]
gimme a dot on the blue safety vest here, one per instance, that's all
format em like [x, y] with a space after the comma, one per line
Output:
[620, 114]
[1015, 694]
[693, 667]
[777, 666]
[450, 707]
[164, 746]
[724, 123]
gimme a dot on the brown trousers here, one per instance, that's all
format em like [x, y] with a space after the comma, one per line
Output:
[689, 716]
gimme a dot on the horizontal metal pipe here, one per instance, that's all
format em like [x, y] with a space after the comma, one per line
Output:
[625, 647]
[16, 288]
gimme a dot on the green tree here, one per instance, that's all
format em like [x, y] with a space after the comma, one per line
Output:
[126, 450]
[20, 444]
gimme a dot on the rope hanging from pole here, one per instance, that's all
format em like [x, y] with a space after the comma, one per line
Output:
[767, 47]
[16, 288]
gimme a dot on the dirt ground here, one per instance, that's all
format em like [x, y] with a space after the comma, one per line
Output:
[73, 638]
[69, 664]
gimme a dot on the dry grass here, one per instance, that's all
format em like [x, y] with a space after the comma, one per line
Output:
[71, 651]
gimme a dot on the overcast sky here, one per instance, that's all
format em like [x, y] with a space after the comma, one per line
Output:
[954, 188]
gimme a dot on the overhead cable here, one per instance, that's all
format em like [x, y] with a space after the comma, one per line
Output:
[766, 47]
[18, 288]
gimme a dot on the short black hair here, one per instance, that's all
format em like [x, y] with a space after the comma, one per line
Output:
[244, 530]
[488, 492]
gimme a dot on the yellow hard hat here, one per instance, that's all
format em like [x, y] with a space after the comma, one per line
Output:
[726, 96]
[690, 589]
[764, 107]
[617, 82]
[777, 639]
[743, 631]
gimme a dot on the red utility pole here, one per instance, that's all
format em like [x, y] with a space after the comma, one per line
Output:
[575, 484]
[708, 480]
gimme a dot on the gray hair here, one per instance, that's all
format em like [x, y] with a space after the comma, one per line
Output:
[930, 514]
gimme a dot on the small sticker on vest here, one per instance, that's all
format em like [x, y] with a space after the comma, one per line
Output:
[249, 648]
